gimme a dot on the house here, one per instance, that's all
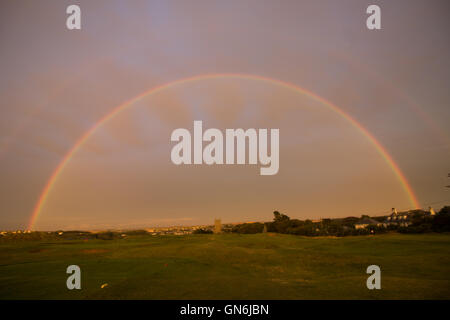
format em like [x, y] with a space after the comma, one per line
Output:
[404, 219]
[400, 219]
[365, 222]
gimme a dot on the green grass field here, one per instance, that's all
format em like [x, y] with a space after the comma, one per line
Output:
[229, 266]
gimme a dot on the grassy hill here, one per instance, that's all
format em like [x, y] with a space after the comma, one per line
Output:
[229, 266]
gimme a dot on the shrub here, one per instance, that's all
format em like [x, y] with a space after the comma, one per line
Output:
[136, 233]
[202, 231]
[248, 228]
[108, 235]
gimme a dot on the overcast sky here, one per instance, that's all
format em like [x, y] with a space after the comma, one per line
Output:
[55, 84]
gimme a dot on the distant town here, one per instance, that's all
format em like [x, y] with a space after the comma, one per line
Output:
[155, 231]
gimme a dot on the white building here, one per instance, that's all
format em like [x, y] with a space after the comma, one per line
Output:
[400, 219]
[365, 222]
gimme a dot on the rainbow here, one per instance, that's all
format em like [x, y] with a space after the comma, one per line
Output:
[81, 141]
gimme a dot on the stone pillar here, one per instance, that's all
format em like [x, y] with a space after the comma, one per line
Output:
[217, 226]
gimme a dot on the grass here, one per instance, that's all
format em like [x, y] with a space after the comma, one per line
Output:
[229, 266]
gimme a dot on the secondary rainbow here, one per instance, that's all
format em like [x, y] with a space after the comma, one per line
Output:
[80, 142]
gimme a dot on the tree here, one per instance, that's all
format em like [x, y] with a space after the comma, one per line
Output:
[441, 222]
[279, 217]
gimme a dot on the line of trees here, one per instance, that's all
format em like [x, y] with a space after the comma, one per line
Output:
[420, 223]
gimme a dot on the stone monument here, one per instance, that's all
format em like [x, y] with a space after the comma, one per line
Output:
[217, 226]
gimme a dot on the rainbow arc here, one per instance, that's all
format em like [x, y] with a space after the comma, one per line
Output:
[117, 110]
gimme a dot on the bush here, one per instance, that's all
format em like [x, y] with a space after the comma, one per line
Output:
[202, 231]
[248, 228]
[303, 230]
[136, 233]
[108, 235]
[421, 228]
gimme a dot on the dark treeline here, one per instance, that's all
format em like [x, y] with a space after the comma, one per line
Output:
[420, 222]
[70, 235]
